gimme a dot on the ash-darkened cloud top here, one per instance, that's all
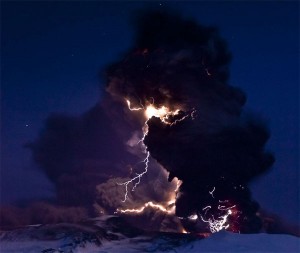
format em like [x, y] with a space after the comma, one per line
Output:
[173, 61]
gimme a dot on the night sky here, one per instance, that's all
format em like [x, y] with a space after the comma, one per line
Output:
[52, 54]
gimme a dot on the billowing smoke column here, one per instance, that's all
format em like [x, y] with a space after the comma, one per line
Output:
[217, 150]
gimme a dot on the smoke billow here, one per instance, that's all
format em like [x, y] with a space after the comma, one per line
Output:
[217, 152]
[78, 153]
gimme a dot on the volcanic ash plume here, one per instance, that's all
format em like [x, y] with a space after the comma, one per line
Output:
[197, 130]
[169, 114]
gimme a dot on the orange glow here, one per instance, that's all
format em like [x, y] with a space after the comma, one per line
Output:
[184, 231]
[162, 112]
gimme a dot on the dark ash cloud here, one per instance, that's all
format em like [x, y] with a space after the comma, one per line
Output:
[177, 63]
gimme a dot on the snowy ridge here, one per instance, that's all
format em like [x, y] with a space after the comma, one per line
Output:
[112, 234]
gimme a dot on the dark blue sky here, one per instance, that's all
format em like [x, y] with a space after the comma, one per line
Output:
[52, 52]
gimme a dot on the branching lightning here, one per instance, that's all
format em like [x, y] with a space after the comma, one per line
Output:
[212, 192]
[218, 224]
[164, 114]
[168, 208]
[136, 178]
[215, 224]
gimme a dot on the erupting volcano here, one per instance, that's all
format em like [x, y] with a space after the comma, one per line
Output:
[164, 156]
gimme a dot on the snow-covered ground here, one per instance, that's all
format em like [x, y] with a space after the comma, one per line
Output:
[228, 242]
[220, 242]
[115, 236]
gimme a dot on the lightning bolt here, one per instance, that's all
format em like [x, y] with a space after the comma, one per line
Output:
[212, 192]
[136, 178]
[215, 225]
[134, 108]
[141, 209]
[164, 114]
[225, 208]
[206, 209]
[168, 208]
